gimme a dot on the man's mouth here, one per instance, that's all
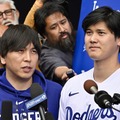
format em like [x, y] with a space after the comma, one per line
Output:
[63, 36]
[7, 23]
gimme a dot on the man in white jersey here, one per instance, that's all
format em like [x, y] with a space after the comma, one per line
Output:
[102, 42]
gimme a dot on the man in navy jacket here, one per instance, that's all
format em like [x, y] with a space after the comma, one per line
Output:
[20, 52]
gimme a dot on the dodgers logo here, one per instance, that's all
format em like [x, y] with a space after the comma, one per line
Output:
[90, 114]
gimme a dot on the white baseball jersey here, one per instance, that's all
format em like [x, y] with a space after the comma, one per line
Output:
[77, 104]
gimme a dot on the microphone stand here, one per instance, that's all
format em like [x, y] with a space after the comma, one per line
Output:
[104, 100]
[42, 113]
[116, 98]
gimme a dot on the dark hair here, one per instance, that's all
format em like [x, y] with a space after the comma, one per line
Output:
[42, 13]
[106, 14]
[17, 37]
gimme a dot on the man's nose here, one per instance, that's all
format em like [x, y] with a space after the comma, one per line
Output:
[93, 38]
[4, 16]
[61, 28]
[27, 56]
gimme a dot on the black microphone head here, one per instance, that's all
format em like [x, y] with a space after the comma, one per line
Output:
[88, 84]
[6, 112]
[103, 99]
[35, 91]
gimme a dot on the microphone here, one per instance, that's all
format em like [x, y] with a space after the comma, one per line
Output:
[91, 87]
[102, 98]
[39, 100]
[116, 98]
[6, 112]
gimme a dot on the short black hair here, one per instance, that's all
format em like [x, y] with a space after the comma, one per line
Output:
[106, 14]
[17, 37]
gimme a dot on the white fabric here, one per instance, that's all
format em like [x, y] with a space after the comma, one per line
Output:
[81, 105]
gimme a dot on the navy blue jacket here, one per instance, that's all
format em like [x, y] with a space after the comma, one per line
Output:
[19, 98]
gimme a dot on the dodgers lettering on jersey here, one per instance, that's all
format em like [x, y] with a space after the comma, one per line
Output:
[26, 116]
[90, 114]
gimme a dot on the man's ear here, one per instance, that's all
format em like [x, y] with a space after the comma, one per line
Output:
[118, 41]
[45, 37]
[2, 60]
[17, 13]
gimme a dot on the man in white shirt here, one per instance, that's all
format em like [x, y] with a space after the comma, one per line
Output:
[102, 42]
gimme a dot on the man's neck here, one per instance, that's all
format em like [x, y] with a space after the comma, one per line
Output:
[103, 71]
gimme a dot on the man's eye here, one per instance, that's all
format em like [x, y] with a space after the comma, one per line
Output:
[88, 32]
[63, 22]
[53, 27]
[101, 33]
[21, 51]
[34, 51]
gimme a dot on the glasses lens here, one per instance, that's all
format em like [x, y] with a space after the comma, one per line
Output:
[8, 12]
[1, 14]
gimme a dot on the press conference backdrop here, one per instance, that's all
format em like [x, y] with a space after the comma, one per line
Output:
[81, 61]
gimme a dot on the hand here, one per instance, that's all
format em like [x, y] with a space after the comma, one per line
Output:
[61, 72]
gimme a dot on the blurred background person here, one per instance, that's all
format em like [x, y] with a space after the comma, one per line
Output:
[53, 24]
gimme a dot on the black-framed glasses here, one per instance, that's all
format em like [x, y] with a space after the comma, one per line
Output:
[6, 12]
